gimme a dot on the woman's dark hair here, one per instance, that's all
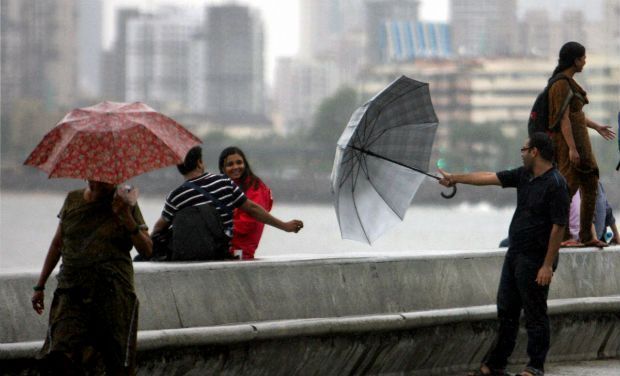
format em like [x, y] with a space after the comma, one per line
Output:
[568, 53]
[191, 160]
[543, 143]
[248, 179]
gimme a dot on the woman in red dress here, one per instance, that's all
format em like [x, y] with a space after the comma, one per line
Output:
[246, 230]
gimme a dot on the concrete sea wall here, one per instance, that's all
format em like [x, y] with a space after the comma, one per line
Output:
[405, 313]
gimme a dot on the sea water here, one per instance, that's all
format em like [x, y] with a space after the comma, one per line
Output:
[28, 222]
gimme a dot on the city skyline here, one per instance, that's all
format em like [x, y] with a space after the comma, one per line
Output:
[282, 18]
[282, 33]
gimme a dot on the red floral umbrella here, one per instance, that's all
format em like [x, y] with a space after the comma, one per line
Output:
[111, 142]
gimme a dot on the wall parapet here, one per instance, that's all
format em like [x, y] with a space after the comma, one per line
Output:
[340, 308]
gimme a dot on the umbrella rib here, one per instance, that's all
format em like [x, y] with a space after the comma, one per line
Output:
[119, 173]
[356, 175]
[346, 175]
[359, 219]
[383, 198]
[357, 135]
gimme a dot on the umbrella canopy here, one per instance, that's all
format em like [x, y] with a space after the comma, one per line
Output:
[382, 158]
[111, 142]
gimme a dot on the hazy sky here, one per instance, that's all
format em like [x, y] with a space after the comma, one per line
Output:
[281, 18]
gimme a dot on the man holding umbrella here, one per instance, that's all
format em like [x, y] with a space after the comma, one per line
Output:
[536, 231]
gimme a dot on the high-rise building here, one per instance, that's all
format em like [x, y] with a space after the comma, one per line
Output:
[42, 37]
[611, 27]
[484, 27]
[157, 58]
[536, 31]
[499, 92]
[197, 74]
[235, 63]
[38, 64]
[113, 71]
[11, 70]
[320, 27]
[573, 26]
[89, 38]
[411, 40]
[300, 86]
[378, 12]
[323, 23]
[334, 30]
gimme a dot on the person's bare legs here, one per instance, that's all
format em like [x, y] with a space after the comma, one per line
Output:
[588, 189]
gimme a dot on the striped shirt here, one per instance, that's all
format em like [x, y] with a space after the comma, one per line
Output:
[219, 186]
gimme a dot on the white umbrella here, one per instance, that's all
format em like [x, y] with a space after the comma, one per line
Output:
[382, 158]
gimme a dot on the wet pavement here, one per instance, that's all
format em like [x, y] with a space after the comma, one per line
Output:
[590, 368]
[610, 367]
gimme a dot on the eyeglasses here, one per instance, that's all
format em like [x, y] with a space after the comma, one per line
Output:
[526, 149]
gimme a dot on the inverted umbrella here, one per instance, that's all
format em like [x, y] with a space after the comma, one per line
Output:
[111, 142]
[382, 158]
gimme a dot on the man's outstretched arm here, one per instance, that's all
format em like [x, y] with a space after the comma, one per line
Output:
[473, 178]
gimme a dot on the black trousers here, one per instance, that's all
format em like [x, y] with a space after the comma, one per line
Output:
[518, 291]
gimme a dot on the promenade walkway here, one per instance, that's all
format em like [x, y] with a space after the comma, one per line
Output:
[590, 368]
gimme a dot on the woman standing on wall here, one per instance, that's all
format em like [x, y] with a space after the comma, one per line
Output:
[247, 231]
[574, 155]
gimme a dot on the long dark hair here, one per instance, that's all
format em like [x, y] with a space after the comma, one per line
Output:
[568, 53]
[248, 178]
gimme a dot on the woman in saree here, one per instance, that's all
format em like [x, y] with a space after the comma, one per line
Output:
[94, 312]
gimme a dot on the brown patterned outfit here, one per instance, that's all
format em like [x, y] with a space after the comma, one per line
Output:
[585, 175]
[94, 313]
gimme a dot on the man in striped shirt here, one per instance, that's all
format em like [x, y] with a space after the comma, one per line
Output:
[219, 187]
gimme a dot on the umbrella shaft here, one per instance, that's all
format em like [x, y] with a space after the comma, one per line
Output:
[368, 152]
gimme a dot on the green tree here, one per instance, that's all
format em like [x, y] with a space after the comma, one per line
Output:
[23, 126]
[481, 147]
[332, 116]
[329, 121]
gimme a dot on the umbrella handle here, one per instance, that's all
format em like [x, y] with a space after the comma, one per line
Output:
[449, 195]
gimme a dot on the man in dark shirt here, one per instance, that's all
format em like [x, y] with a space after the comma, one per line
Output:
[536, 231]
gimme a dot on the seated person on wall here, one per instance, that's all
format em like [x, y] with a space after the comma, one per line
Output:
[247, 231]
[219, 192]
[603, 218]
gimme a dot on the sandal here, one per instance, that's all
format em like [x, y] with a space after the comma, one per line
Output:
[492, 372]
[529, 371]
[596, 243]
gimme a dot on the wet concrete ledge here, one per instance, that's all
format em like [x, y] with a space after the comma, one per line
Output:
[426, 313]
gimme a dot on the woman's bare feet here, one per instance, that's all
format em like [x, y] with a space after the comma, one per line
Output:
[596, 243]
